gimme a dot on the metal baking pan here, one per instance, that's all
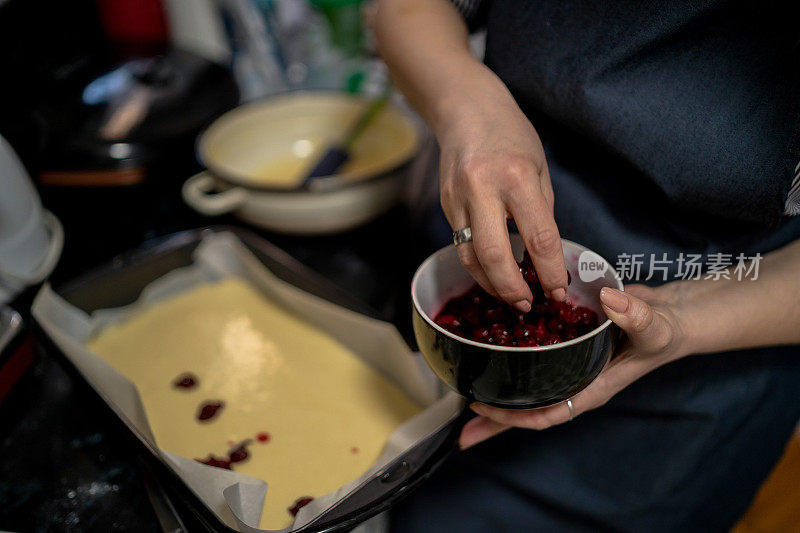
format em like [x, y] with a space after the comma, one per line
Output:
[119, 283]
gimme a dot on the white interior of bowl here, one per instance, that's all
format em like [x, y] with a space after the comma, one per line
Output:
[261, 138]
[442, 276]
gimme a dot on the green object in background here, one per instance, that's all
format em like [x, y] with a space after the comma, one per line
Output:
[344, 16]
[354, 82]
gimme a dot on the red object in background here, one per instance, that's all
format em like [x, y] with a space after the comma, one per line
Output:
[136, 27]
[13, 367]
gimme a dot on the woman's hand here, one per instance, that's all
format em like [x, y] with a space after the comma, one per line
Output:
[492, 163]
[493, 168]
[652, 321]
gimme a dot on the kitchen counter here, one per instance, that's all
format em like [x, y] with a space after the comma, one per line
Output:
[66, 466]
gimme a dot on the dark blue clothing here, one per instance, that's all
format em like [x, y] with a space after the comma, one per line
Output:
[682, 449]
[700, 98]
[668, 127]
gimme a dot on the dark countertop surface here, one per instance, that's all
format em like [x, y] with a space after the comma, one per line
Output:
[65, 464]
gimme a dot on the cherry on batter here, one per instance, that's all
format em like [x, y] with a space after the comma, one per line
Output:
[212, 460]
[187, 380]
[209, 410]
[239, 453]
[299, 504]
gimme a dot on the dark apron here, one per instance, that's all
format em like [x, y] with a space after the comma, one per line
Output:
[668, 128]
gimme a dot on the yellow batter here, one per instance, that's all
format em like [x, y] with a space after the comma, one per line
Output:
[327, 413]
[368, 156]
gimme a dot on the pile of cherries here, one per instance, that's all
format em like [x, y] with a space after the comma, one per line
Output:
[476, 315]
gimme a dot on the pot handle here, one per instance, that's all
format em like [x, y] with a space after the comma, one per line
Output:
[196, 192]
[50, 259]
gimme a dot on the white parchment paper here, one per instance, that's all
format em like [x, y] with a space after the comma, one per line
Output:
[235, 498]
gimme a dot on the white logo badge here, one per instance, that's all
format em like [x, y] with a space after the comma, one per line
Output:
[591, 266]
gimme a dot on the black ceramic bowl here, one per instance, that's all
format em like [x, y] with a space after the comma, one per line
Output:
[512, 377]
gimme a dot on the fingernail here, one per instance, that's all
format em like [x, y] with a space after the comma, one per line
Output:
[558, 295]
[477, 408]
[614, 299]
[523, 306]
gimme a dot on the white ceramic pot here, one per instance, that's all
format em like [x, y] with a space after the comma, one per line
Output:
[247, 150]
[31, 238]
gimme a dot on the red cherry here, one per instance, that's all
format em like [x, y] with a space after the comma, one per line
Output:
[559, 308]
[209, 410]
[527, 342]
[495, 314]
[486, 319]
[299, 504]
[448, 322]
[570, 316]
[523, 331]
[528, 273]
[472, 317]
[554, 325]
[587, 317]
[571, 332]
[540, 309]
[187, 380]
[499, 335]
[239, 454]
[553, 339]
[211, 460]
[504, 340]
[476, 296]
[480, 334]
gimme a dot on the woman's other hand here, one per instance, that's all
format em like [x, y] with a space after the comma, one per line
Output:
[655, 335]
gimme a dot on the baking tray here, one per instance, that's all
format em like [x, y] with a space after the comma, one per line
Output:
[120, 282]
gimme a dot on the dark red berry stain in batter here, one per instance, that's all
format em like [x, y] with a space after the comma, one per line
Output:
[299, 504]
[237, 454]
[212, 460]
[187, 380]
[209, 410]
[263, 437]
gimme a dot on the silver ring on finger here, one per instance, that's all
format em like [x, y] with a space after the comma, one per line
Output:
[571, 410]
[462, 236]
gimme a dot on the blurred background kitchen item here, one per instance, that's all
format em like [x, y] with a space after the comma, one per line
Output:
[129, 117]
[257, 155]
[339, 151]
[31, 238]
[70, 471]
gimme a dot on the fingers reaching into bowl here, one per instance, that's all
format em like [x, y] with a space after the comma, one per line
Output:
[483, 196]
[649, 318]
[532, 210]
